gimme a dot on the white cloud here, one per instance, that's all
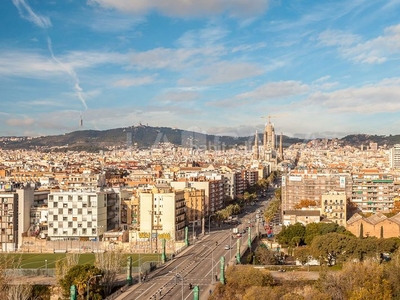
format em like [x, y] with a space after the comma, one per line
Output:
[173, 59]
[368, 99]
[265, 92]
[27, 13]
[373, 51]
[23, 121]
[224, 72]
[171, 97]
[137, 81]
[24, 63]
[188, 8]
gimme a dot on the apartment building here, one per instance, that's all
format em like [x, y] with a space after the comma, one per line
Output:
[250, 177]
[394, 157]
[15, 205]
[301, 185]
[333, 207]
[195, 204]
[84, 214]
[162, 216]
[373, 191]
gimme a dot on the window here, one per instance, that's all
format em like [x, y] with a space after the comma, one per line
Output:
[55, 204]
[69, 224]
[79, 211]
[65, 218]
[89, 224]
[55, 218]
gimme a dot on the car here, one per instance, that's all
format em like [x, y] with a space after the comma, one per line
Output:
[238, 235]
[227, 247]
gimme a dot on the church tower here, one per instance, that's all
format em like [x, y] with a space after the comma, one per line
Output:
[256, 153]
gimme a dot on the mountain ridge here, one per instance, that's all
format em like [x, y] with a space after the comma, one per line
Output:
[144, 136]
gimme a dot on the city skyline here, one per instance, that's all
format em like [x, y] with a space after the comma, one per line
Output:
[320, 69]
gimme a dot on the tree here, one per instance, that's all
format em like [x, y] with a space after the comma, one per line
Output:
[110, 264]
[356, 281]
[361, 230]
[285, 237]
[239, 279]
[330, 248]
[79, 276]
[305, 203]
[303, 254]
[10, 288]
[264, 256]
[315, 229]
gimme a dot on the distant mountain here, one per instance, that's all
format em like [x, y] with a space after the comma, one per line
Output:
[357, 140]
[139, 136]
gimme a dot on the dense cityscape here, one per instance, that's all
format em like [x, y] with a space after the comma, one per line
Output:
[144, 200]
[205, 150]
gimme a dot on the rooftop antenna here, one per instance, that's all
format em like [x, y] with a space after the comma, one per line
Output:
[80, 122]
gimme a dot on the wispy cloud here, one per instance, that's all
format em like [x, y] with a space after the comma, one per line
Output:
[136, 81]
[368, 99]
[189, 8]
[177, 96]
[265, 92]
[71, 72]
[376, 50]
[223, 72]
[24, 121]
[26, 12]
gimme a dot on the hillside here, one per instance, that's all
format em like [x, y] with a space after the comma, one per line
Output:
[140, 136]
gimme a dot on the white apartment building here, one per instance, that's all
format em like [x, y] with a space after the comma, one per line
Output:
[82, 214]
[394, 157]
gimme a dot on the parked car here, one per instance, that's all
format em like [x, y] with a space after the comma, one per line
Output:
[227, 247]
[238, 235]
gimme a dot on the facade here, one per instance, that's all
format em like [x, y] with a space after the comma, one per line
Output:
[298, 186]
[376, 225]
[84, 215]
[304, 216]
[373, 191]
[394, 157]
[162, 216]
[333, 207]
[195, 204]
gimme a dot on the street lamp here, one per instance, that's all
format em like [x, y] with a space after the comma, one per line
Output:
[45, 264]
[212, 262]
[209, 227]
[87, 284]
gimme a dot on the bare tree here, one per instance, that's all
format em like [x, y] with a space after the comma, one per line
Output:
[63, 266]
[10, 287]
[110, 263]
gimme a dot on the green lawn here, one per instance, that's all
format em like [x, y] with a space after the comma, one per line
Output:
[38, 261]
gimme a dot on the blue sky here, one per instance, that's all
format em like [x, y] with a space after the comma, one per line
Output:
[319, 68]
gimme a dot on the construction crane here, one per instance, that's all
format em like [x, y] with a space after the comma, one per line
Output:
[269, 118]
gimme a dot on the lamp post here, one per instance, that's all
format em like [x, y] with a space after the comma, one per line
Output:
[209, 227]
[87, 284]
[212, 262]
[45, 266]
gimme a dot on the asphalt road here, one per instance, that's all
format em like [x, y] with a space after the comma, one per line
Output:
[198, 265]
